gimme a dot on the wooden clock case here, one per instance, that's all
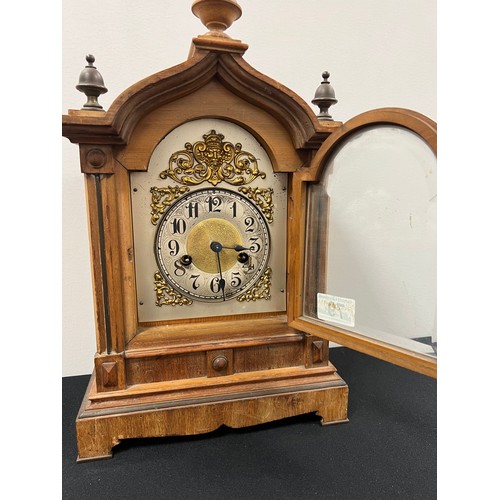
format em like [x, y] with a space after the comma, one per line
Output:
[163, 379]
[166, 378]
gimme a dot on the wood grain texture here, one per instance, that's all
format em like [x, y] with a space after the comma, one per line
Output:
[93, 216]
[223, 331]
[381, 350]
[98, 434]
[177, 390]
[112, 245]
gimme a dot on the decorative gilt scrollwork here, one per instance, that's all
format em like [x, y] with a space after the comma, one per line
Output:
[163, 197]
[261, 290]
[213, 161]
[263, 197]
[166, 295]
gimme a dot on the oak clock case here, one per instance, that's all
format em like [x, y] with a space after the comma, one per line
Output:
[209, 220]
[208, 252]
[191, 240]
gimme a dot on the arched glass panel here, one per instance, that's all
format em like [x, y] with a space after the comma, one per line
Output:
[371, 240]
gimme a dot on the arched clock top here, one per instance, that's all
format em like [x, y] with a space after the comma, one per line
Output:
[216, 82]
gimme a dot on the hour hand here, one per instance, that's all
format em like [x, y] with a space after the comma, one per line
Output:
[238, 248]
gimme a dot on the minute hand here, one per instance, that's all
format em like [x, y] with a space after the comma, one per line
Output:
[216, 247]
[222, 281]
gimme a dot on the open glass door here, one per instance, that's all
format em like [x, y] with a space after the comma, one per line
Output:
[369, 262]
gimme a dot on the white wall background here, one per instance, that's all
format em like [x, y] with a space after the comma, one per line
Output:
[379, 54]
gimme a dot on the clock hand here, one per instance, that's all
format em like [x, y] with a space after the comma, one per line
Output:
[222, 281]
[238, 248]
[216, 247]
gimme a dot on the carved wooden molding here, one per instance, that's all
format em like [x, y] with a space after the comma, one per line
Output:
[96, 159]
[110, 372]
[116, 125]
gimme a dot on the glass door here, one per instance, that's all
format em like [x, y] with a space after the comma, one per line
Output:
[369, 262]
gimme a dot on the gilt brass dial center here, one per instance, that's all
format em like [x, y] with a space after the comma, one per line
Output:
[206, 232]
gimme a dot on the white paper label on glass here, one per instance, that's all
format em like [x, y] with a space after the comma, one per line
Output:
[336, 309]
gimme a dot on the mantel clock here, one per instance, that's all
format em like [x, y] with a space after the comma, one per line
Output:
[214, 245]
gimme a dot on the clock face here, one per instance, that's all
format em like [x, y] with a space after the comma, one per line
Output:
[209, 226]
[212, 245]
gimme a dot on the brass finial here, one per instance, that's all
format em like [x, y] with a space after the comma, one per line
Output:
[217, 15]
[91, 84]
[324, 97]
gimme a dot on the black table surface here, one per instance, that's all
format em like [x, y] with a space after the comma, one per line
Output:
[386, 450]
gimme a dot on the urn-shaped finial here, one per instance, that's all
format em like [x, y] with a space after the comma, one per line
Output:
[91, 84]
[217, 15]
[324, 97]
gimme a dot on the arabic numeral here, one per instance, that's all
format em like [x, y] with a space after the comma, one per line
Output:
[249, 267]
[233, 209]
[249, 223]
[195, 277]
[179, 270]
[216, 285]
[173, 246]
[235, 279]
[178, 226]
[214, 203]
[255, 246]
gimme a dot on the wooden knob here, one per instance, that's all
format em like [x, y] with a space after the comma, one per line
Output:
[219, 363]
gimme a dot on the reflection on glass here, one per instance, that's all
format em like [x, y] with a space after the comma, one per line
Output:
[371, 242]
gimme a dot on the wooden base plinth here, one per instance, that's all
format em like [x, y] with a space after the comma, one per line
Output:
[102, 425]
